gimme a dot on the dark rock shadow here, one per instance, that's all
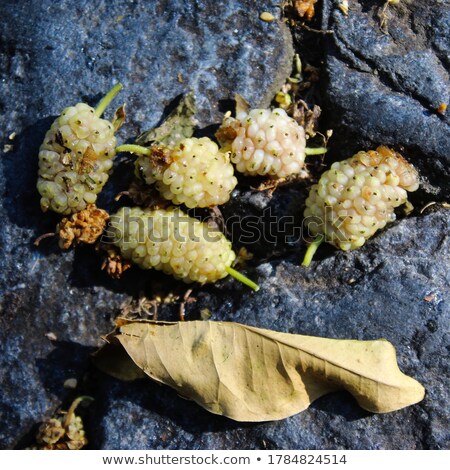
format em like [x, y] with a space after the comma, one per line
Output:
[67, 360]
[20, 168]
[148, 396]
[340, 404]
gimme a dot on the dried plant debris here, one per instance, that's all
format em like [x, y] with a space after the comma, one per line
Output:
[119, 118]
[435, 205]
[305, 8]
[343, 6]
[290, 96]
[293, 10]
[252, 374]
[85, 226]
[144, 195]
[442, 108]
[113, 263]
[384, 14]
[180, 124]
[306, 117]
[64, 431]
[138, 308]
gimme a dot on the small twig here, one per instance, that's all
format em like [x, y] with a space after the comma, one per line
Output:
[183, 303]
[45, 235]
[445, 205]
[71, 411]
[122, 193]
[312, 30]
[154, 304]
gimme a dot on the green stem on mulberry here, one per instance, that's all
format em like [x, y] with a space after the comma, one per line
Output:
[133, 148]
[244, 279]
[312, 248]
[71, 411]
[316, 151]
[104, 103]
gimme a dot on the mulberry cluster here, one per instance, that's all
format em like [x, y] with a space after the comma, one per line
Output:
[264, 142]
[357, 197]
[195, 172]
[351, 201]
[76, 157]
[170, 241]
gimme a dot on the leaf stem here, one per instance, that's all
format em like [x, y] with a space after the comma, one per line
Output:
[244, 279]
[106, 100]
[312, 248]
[316, 151]
[133, 148]
[71, 411]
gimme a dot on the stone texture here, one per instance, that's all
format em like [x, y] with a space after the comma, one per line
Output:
[54, 55]
[378, 291]
[396, 286]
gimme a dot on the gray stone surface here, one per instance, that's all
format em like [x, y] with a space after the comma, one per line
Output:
[385, 87]
[377, 291]
[54, 55]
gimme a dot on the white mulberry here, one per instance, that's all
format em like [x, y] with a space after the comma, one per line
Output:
[76, 157]
[195, 172]
[264, 142]
[357, 197]
[170, 241]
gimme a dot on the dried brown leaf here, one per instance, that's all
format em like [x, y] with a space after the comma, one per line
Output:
[251, 374]
[242, 105]
[119, 118]
[180, 124]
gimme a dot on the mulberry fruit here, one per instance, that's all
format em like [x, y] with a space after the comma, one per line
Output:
[357, 197]
[170, 241]
[195, 172]
[76, 157]
[265, 142]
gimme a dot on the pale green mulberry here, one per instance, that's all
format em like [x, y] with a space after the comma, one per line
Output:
[194, 172]
[76, 157]
[356, 197]
[265, 142]
[170, 241]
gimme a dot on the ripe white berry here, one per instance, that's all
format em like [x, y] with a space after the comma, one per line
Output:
[170, 241]
[195, 172]
[264, 142]
[76, 158]
[357, 196]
